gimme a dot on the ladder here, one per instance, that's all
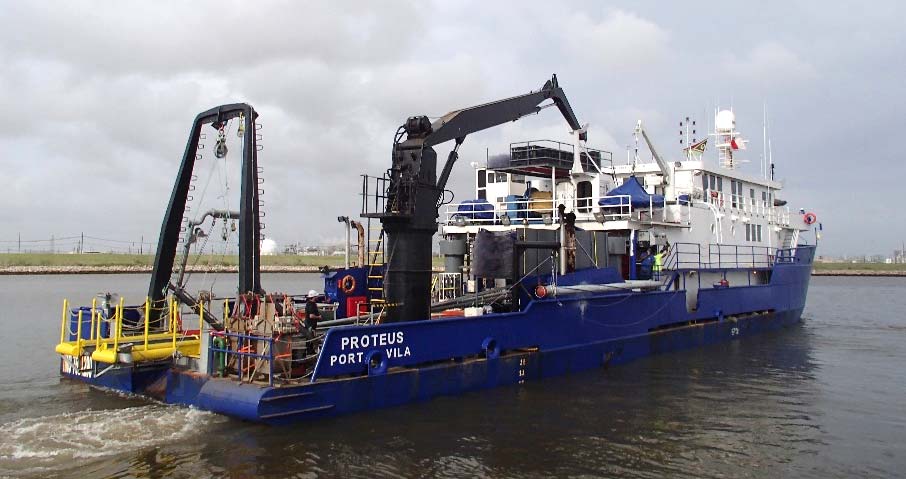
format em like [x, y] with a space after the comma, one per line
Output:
[790, 239]
[376, 270]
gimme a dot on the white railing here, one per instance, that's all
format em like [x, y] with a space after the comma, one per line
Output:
[543, 211]
[534, 210]
[775, 214]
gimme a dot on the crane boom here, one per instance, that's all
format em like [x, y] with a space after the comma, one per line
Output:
[414, 191]
[665, 169]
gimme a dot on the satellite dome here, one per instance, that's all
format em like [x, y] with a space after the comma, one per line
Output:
[268, 247]
[725, 120]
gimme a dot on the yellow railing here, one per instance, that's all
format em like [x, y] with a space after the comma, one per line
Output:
[145, 346]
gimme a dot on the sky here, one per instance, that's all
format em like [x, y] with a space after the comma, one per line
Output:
[98, 99]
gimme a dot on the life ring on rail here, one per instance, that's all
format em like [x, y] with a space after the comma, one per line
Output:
[540, 291]
[810, 218]
[346, 284]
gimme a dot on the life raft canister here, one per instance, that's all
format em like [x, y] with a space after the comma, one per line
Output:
[347, 284]
[810, 218]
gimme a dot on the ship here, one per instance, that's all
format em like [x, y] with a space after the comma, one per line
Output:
[563, 261]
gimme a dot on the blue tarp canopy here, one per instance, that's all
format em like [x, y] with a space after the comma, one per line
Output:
[476, 210]
[637, 195]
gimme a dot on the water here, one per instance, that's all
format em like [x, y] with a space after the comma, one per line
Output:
[823, 399]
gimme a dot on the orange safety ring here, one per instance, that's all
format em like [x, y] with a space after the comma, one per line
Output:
[346, 284]
[810, 218]
[540, 291]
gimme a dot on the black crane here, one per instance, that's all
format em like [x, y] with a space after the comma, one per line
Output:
[414, 192]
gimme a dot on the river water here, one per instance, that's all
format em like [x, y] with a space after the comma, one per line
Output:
[826, 398]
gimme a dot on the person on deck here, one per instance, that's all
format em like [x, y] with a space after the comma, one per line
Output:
[312, 313]
[658, 262]
[647, 264]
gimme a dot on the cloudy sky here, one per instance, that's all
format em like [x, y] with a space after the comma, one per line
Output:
[98, 99]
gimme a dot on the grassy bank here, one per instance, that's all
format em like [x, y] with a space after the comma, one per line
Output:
[872, 267]
[104, 259]
[127, 260]
[137, 262]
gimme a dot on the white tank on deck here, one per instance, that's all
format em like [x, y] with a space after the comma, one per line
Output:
[268, 247]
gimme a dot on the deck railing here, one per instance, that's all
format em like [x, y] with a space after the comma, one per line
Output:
[694, 256]
[252, 358]
[107, 334]
[544, 211]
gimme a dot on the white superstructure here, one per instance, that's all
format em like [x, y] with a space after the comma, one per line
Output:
[705, 205]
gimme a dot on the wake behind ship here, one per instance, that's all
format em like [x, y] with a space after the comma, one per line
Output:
[563, 261]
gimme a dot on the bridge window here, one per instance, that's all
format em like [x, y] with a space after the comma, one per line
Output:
[583, 196]
[482, 179]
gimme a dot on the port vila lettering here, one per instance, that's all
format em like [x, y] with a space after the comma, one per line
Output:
[353, 348]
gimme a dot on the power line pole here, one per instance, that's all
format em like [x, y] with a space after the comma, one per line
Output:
[20, 243]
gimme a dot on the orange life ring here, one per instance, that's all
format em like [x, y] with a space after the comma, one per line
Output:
[810, 218]
[346, 284]
[540, 291]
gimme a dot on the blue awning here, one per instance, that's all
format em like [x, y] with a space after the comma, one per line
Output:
[637, 195]
[476, 210]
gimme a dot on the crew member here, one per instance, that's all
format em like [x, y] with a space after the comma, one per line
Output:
[647, 265]
[312, 313]
[658, 262]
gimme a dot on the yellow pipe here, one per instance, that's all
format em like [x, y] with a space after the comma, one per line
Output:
[118, 324]
[147, 316]
[63, 321]
[94, 311]
[175, 326]
[200, 314]
[189, 347]
[91, 327]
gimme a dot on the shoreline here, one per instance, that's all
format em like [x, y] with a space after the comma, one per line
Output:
[142, 269]
[858, 272]
[39, 270]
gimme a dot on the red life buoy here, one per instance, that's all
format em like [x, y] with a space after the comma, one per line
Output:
[540, 291]
[810, 218]
[347, 284]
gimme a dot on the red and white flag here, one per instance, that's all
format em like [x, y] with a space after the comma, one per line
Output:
[737, 145]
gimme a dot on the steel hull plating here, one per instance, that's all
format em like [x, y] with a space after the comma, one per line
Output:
[550, 338]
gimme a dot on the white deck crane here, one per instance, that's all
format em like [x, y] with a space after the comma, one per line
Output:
[666, 170]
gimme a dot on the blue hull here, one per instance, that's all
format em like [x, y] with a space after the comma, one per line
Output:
[550, 337]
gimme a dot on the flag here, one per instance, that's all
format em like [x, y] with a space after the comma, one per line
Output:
[697, 147]
[737, 145]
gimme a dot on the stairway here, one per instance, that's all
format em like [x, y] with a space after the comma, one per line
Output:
[790, 239]
[376, 270]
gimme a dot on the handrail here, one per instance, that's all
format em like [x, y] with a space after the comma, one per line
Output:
[242, 352]
[147, 317]
[63, 320]
[104, 347]
[725, 256]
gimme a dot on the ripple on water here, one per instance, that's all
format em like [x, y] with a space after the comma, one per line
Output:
[42, 445]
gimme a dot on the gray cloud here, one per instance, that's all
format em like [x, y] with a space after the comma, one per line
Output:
[97, 101]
